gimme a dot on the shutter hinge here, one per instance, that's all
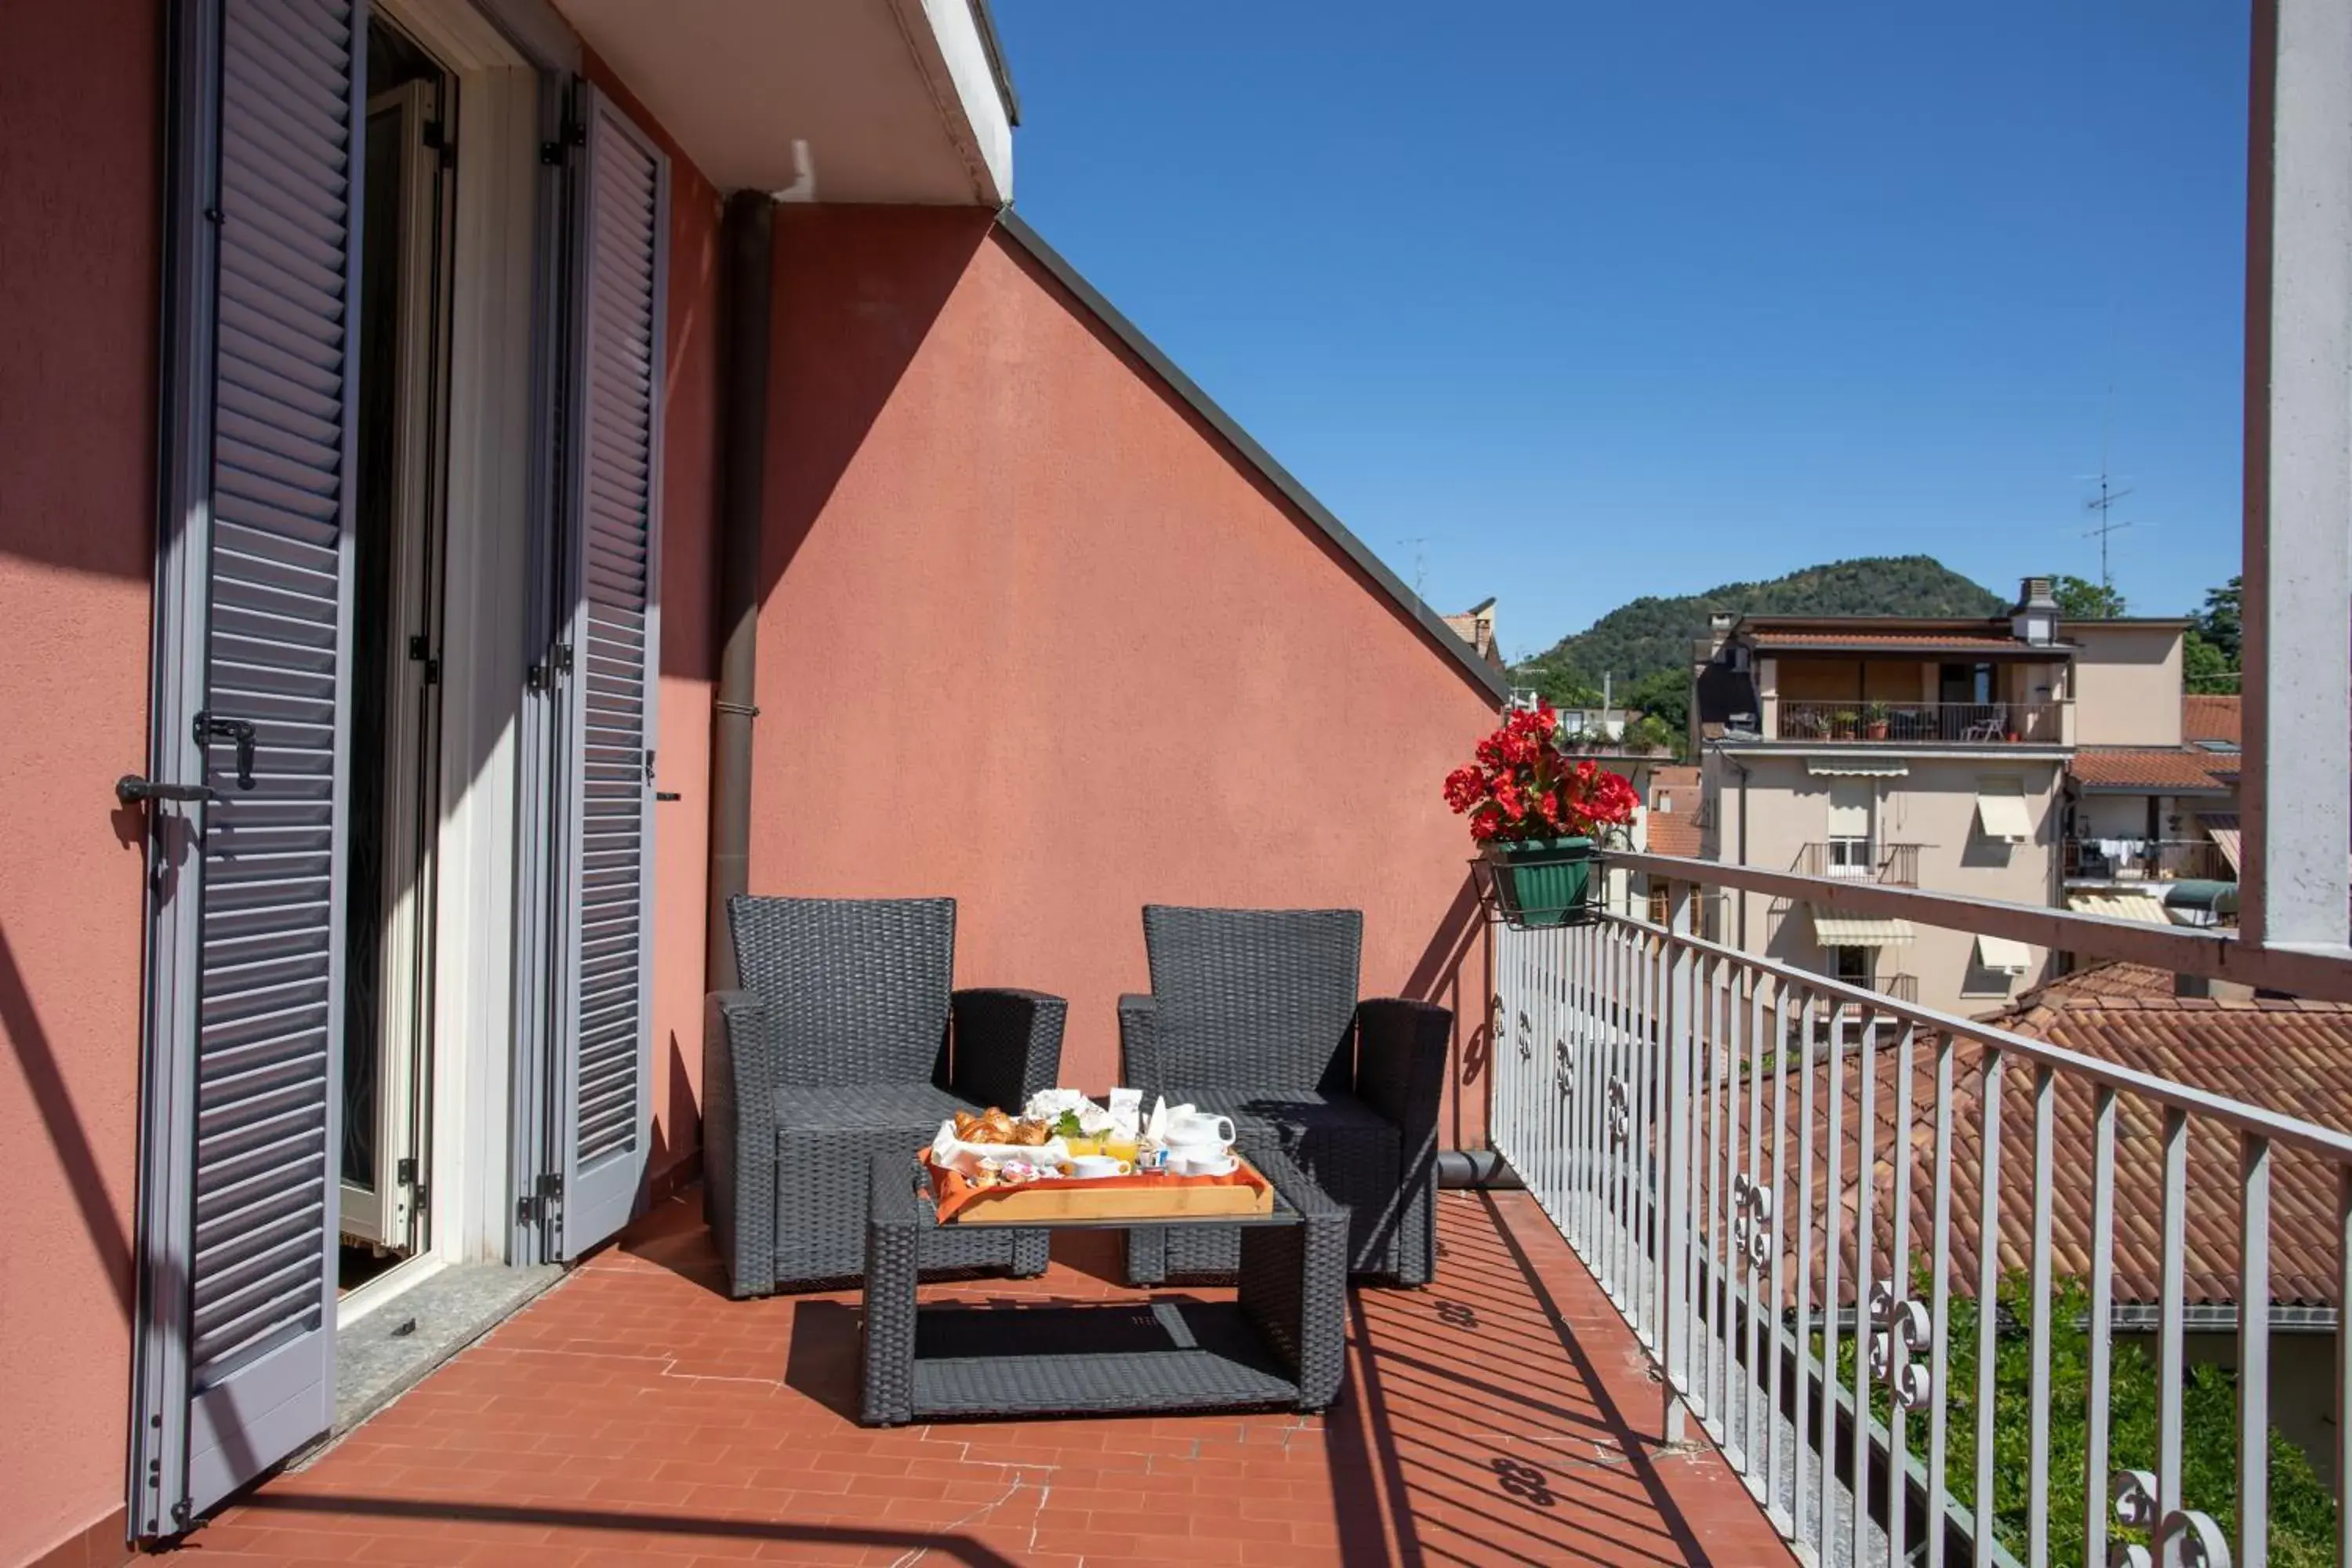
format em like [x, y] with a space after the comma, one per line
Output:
[574, 134]
[404, 1173]
[421, 652]
[534, 1207]
[437, 139]
[649, 766]
[541, 676]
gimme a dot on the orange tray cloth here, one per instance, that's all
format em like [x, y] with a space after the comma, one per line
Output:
[957, 1194]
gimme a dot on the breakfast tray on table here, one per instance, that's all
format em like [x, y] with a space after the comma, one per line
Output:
[1111, 1201]
[1282, 1342]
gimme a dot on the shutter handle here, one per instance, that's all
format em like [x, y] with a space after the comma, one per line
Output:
[209, 729]
[130, 789]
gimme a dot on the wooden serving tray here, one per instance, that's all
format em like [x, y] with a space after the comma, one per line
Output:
[1245, 1194]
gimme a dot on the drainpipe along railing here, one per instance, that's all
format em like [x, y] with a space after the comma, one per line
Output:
[750, 287]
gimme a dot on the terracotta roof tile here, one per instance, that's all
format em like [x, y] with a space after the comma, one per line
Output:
[1675, 832]
[2153, 768]
[2210, 719]
[2115, 979]
[1674, 828]
[2295, 1056]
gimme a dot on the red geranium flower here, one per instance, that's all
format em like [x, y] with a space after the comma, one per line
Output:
[1522, 785]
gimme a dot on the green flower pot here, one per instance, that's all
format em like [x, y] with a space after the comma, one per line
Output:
[1543, 882]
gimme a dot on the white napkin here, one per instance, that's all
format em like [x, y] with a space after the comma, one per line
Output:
[953, 1153]
[1047, 1104]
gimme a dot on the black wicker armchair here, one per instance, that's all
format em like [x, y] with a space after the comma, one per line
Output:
[1252, 1013]
[847, 1039]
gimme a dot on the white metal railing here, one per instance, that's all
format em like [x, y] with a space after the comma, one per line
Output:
[1922, 723]
[1799, 1225]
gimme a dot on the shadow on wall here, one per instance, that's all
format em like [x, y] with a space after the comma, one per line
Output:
[28, 1041]
[897, 279]
[1461, 933]
[898, 266]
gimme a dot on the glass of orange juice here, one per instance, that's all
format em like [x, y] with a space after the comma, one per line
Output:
[1082, 1145]
[1120, 1146]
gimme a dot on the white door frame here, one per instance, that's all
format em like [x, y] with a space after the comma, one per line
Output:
[386, 1214]
[495, 454]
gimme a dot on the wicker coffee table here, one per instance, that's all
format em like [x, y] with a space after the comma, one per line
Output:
[1282, 1342]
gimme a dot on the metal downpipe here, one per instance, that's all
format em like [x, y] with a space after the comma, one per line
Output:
[750, 232]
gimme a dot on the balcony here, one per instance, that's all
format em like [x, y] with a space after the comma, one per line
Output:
[635, 1414]
[1919, 724]
[2107, 860]
[1731, 1315]
[1759, 1209]
[1862, 860]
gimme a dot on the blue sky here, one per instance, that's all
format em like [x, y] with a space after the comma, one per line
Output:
[1603, 300]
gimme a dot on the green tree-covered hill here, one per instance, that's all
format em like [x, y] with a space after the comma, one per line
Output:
[1653, 635]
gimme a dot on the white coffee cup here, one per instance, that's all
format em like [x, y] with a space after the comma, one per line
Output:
[1201, 1159]
[1092, 1167]
[1199, 1127]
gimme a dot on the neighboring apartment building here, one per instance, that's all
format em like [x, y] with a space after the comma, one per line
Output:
[2151, 823]
[1476, 625]
[1911, 751]
[2022, 757]
[1672, 810]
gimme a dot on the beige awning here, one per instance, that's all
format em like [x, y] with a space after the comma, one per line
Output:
[1856, 768]
[2120, 907]
[2223, 826]
[2000, 807]
[2003, 956]
[1832, 929]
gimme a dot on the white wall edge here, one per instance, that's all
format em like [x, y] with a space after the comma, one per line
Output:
[986, 129]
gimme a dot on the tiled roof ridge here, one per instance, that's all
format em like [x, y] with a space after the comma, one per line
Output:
[2079, 1001]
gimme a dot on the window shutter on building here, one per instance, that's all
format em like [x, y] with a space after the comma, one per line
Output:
[236, 1287]
[1850, 801]
[620, 237]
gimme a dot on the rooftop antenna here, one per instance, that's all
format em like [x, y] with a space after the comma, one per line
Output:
[1420, 562]
[2103, 505]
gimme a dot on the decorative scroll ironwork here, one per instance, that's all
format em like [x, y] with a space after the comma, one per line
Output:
[1900, 1329]
[1751, 1220]
[2202, 1543]
[1620, 1111]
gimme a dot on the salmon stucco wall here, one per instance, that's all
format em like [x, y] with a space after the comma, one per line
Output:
[79, 168]
[1035, 636]
[689, 669]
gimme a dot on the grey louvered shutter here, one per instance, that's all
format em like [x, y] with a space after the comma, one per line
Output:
[237, 1218]
[620, 235]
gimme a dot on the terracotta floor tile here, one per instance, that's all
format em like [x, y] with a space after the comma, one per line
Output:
[637, 1415]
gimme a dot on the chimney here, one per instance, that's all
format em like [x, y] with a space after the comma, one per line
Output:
[2035, 618]
[1718, 631]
